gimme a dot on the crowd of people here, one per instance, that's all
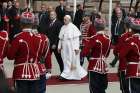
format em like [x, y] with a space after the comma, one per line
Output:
[30, 38]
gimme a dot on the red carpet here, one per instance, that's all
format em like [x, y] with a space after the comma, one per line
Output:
[112, 77]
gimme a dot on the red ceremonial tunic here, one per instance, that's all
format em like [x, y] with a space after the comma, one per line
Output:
[130, 55]
[24, 50]
[121, 42]
[45, 53]
[3, 46]
[98, 46]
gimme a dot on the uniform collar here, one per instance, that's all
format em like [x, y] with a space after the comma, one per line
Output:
[101, 32]
[136, 34]
[28, 30]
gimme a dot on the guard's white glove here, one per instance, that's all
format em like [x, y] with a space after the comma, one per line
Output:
[48, 75]
[53, 46]
[1, 67]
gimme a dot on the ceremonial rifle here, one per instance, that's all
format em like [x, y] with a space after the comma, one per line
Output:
[136, 9]
[100, 8]
[131, 3]
[28, 5]
[136, 6]
[84, 3]
[100, 5]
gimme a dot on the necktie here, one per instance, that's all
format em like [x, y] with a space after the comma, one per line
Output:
[62, 8]
[117, 27]
[41, 16]
[51, 24]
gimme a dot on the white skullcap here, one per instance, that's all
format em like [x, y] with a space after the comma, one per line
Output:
[68, 16]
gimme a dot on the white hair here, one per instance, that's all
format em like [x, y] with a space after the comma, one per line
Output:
[68, 17]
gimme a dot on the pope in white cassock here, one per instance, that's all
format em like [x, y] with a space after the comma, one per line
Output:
[69, 48]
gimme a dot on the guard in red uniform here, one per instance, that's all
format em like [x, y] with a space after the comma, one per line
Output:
[24, 50]
[129, 54]
[88, 33]
[122, 65]
[3, 46]
[99, 47]
[87, 29]
[91, 30]
[45, 61]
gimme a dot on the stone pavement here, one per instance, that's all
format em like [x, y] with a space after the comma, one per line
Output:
[113, 87]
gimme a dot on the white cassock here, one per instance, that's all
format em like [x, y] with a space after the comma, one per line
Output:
[68, 43]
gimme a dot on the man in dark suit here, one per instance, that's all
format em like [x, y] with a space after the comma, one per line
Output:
[114, 14]
[60, 10]
[117, 30]
[43, 20]
[4, 17]
[14, 13]
[52, 33]
[78, 15]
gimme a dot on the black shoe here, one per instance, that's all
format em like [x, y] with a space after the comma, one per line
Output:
[111, 65]
[62, 79]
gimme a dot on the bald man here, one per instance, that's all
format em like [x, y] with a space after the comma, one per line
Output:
[52, 33]
[69, 48]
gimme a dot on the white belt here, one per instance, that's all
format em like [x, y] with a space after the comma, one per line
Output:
[26, 71]
[92, 58]
[16, 65]
[133, 63]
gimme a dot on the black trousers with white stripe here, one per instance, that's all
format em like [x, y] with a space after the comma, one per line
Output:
[97, 82]
[134, 85]
[123, 82]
